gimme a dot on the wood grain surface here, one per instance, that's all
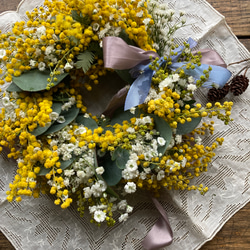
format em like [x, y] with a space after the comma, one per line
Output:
[235, 234]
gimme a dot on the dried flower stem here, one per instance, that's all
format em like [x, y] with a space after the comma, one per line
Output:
[245, 60]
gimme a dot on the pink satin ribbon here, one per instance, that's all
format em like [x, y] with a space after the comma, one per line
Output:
[117, 54]
[161, 233]
[211, 57]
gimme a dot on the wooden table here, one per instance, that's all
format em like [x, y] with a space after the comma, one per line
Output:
[236, 232]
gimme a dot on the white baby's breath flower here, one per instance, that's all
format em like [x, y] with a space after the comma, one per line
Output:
[190, 79]
[132, 110]
[99, 216]
[123, 217]
[139, 14]
[99, 170]
[178, 139]
[80, 130]
[41, 66]
[41, 31]
[2, 53]
[146, 21]
[68, 66]
[38, 52]
[183, 162]
[32, 63]
[176, 77]
[198, 140]
[66, 106]
[49, 50]
[122, 205]
[130, 130]
[87, 192]
[131, 165]
[130, 187]
[81, 174]
[95, 26]
[60, 119]
[53, 116]
[191, 87]
[6, 101]
[129, 209]
[166, 83]
[161, 141]
[66, 182]
[69, 172]
[160, 175]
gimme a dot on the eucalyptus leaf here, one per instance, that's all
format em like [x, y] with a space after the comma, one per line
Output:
[165, 132]
[35, 80]
[44, 171]
[87, 122]
[85, 60]
[187, 127]
[112, 174]
[13, 88]
[69, 116]
[120, 116]
[125, 76]
[65, 164]
[120, 156]
[56, 107]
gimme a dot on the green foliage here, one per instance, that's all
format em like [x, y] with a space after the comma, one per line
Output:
[120, 156]
[112, 174]
[96, 49]
[165, 132]
[187, 127]
[13, 88]
[44, 171]
[35, 80]
[85, 60]
[125, 76]
[69, 116]
[87, 122]
[120, 116]
[80, 18]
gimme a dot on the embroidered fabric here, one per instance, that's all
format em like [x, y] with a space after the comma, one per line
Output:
[195, 219]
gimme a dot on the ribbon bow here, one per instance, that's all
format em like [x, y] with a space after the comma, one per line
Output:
[119, 55]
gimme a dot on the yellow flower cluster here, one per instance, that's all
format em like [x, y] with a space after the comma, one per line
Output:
[55, 34]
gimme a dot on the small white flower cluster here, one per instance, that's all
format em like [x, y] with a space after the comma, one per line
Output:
[145, 145]
[177, 84]
[165, 24]
[10, 106]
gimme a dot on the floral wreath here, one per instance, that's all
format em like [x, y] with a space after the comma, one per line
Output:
[147, 137]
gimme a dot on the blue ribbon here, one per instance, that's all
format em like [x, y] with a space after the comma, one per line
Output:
[141, 86]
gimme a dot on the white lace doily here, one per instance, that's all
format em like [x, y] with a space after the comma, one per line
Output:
[195, 219]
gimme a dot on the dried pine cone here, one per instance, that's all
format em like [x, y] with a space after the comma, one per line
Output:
[217, 94]
[239, 84]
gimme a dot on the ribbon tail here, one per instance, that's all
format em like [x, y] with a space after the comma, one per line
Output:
[211, 57]
[139, 90]
[161, 234]
[218, 75]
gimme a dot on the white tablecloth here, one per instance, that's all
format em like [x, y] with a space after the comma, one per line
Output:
[195, 219]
